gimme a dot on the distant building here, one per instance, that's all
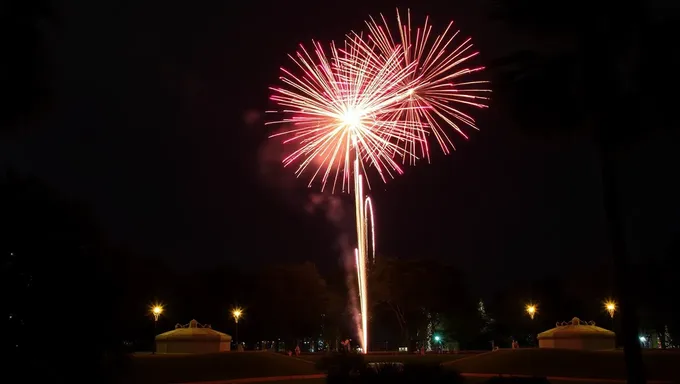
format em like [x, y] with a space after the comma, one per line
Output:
[193, 338]
[577, 335]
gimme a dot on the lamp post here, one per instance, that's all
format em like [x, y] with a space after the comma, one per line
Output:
[156, 311]
[236, 313]
[531, 309]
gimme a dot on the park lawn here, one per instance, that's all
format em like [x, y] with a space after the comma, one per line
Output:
[152, 369]
[659, 365]
[156, 369]
[406, 358]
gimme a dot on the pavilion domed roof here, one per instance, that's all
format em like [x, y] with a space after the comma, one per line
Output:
[194, 331]
[576, 329]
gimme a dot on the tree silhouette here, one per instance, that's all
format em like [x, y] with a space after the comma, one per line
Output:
[420, 293]
[58, 293]
[590, 73]
[292, 298]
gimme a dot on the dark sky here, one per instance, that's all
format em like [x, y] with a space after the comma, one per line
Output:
[149, 128]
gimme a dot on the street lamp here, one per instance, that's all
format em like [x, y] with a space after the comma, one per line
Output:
[236, 313]
[531, 310]
[156, 311]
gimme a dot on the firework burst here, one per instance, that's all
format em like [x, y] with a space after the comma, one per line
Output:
[374, 103]
[438, 86]
[341, 107]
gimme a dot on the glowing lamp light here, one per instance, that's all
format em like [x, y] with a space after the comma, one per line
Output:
[610, 306]
[237, 313]
[531, 310]
[437, 338]
[156, 311]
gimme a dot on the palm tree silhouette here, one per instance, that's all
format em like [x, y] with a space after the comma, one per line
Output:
[595, 69]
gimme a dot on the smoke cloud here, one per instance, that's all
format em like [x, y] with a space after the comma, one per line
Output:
[296, 191]
[280, 180]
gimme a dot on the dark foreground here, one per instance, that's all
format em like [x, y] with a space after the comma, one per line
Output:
[150, 369]
[156, 369]
[660, 365]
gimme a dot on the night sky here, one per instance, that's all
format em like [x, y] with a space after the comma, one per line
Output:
[157, 125]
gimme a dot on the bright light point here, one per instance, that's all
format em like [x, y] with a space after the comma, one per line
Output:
[610, 306]
[352, 117]
[437, 338]
[531, 310]
[410, 92]
[237, 313]
[156, 311]
[643, 339]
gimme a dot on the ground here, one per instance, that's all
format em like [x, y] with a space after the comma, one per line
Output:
[399, 357]
[660, 365]
[151, 369]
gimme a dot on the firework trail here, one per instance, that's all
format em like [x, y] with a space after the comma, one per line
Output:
[361, 251]
[374, 104]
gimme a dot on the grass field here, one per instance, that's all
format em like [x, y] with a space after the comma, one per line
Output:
[405, 358]
[660, 365]
[156, 369]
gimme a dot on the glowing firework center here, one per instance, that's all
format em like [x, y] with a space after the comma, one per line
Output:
[352, 119]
